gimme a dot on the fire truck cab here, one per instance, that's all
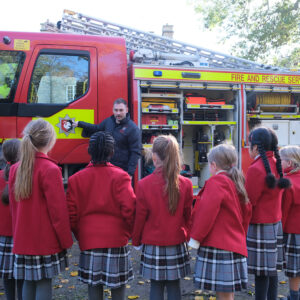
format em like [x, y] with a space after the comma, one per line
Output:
[59, 78]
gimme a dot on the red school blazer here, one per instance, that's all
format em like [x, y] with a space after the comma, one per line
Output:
[266, 202]
[219, 219]
[154, 225]
[291, 204]
[41, 223]
[101, 205]
[5, 216]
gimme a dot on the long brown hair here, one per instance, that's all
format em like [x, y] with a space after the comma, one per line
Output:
[225, 157]
[167, 149]
[11, 153]
[37, 135]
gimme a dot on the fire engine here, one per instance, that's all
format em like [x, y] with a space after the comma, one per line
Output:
[76, 71]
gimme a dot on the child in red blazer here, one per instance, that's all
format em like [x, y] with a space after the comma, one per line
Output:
[41, 228]
[264, 185]
[10, 149]
[162, 223]
[101, 206]
[220, 221]
[290, 157]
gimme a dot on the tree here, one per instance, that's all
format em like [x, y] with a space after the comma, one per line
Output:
[261, 30]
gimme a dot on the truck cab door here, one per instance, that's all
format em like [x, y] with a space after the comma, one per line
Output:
[11, 64]
[61, 87]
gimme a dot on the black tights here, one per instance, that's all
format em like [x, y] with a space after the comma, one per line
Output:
[10, 288]
[158, 287]
[266, 287]
[96, 292]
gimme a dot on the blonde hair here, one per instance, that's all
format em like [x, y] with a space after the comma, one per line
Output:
[37, 135]
[225, 158]
[292, 154]
[167, 149]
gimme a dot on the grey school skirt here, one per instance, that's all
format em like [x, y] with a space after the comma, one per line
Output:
[292, 254]
[220, 270]
[265, 249]
[7, 258]
[165, 262]
[37, 267]
[107, 266]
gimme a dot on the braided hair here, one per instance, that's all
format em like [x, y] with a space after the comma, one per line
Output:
[282, 183]
[262, 137]
[101, 147]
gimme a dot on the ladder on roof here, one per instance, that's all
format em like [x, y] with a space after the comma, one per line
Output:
[162, 47]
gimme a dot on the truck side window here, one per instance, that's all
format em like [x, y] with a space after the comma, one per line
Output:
[11, 63]
[59, 78]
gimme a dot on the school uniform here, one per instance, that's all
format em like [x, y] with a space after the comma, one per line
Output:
[265, 236]
[6, 241]
[220, 223]
[291, 224]
[41, 228]
[102, 220]
[164, 253]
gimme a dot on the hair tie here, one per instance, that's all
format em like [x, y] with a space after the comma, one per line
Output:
[8, 163]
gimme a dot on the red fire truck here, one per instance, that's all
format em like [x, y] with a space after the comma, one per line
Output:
[201, 97]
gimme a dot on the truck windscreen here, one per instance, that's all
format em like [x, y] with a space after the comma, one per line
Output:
[11, 63]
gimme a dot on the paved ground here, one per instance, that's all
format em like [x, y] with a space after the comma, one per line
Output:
[67, 287]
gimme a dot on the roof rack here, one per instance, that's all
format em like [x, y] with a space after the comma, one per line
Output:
[151, 47]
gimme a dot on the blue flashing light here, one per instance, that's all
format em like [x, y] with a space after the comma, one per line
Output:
[157, 73]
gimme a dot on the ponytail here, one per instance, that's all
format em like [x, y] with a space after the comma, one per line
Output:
[23, 184]
[239, 180]
[37, 135]
[167, 149]
[11, 150]
[225, 158]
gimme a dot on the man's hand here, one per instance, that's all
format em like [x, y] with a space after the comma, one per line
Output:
[75, 124]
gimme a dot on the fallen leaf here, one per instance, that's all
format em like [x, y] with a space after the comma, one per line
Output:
[129, 243]
[67, 269]
[282, 282]
[212, 298]
[199, 298]
[141, 282]
[75, 264]
[198, 292]
[71, 287]
[253, 284]
[187, 278]
[133, 297]
[74, 273]
[64, 280]
[1, 293]
[281, 297]
[57, 286]
[128, 286]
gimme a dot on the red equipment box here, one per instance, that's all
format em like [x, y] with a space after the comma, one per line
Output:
[152, 119]
[204, 100]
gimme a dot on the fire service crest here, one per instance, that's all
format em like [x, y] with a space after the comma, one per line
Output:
[65, 125]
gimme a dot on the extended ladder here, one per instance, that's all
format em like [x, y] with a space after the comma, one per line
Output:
[162, 48]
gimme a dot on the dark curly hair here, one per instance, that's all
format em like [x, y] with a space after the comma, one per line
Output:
[101, 147]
